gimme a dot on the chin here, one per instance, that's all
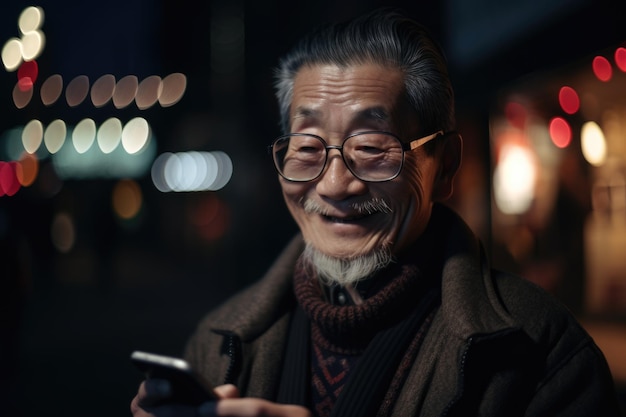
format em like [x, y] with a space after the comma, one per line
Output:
[343, 270]
[345, 248]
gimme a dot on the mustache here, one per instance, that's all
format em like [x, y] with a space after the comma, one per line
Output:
[371, 206]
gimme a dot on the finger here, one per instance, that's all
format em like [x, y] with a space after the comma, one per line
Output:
[135, 407]
[227, 391]
[254, 407]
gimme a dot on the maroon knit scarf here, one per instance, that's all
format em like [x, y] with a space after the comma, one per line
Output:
[348, 329]
[341, 334]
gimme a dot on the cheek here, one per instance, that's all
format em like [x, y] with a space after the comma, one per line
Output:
[293, 193]
[419, 174]
[413, 199]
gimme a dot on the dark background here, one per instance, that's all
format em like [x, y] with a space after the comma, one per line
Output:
[70, 320]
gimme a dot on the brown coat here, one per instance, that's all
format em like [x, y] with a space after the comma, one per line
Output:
[498, 346]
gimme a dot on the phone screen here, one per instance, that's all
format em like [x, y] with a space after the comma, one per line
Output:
[187, 386]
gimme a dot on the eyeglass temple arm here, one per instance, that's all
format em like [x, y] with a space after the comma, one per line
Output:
[414, 144]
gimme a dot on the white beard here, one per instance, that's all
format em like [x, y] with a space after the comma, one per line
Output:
[346, 271]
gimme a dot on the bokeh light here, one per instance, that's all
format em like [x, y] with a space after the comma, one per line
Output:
[30, 19]
[109, 135]
[210, 217]
[84, 135]
[27, 169]
[126, 199]
[191, 171]
[516, 114]
[73, 152]
[514, 179]
[560, 132]
[102, 90]
[51, 89]
[27, 75]
[62, 232]
[54, 135]
[167, 91]
[77, 90]
[602, 68]
[172, 89]
[32, 44]
[32, 136]
[21, 96]
[569, 100]
[135, 135]
[148, 92]
[620, 58]
[11, 148]
[12, 54]
[125, 91]
[593, 143]
[94, 163]
[9, 183]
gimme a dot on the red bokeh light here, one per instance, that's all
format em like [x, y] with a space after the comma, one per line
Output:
[27, 75]
[620, 58]
[569, 100]
[516, 114]
[9, 184]
[602, 68]
[560, 132]
[211, 218]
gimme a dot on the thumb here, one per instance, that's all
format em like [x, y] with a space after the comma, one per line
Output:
[227, 391]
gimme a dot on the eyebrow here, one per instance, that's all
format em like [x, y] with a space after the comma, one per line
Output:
[306, 112]
[377, 113]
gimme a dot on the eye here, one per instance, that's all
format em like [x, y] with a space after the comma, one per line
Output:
[368, 149]
[308, 149]
[369, 145]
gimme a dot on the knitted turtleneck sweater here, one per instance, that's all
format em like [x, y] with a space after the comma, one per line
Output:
[343, 341]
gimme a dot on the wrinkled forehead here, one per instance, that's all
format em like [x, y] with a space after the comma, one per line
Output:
[368, 92]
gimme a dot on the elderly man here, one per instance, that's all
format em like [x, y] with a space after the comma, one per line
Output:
[384, 305]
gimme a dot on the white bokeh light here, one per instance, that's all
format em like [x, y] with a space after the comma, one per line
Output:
[514, 179]
[54, 136]
[191, 171]
[593, 143]
[30, 19]
[84, 135]
[32, 136]
[135, 135]
[109, 135]
[12, 54]
[32, 45]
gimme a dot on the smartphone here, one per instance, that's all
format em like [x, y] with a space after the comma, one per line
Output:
[187, 386]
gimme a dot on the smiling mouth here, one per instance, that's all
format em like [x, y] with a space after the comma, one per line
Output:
[358, 213]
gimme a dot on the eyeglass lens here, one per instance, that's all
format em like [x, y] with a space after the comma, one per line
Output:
[373, 156]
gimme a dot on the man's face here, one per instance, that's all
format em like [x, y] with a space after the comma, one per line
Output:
[333, 103]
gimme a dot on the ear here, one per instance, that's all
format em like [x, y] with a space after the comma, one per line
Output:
[449, 162]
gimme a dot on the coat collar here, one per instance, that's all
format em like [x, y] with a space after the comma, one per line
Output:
[470, 304]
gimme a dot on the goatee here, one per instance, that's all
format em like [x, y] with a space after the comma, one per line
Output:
[343, 271]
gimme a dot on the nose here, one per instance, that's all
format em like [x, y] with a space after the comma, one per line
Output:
[337, 182]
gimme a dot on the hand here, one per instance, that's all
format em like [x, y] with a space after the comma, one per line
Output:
[229, 405]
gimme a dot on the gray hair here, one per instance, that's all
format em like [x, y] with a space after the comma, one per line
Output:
[382, 37]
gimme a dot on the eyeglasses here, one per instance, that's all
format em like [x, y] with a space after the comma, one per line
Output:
[371, 156]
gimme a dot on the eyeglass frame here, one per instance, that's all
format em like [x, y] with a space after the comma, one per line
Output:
[405, 146]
